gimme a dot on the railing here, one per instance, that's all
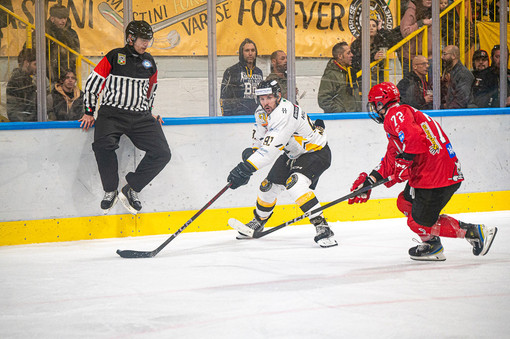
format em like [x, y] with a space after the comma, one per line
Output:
[424, 30]
[29, 44]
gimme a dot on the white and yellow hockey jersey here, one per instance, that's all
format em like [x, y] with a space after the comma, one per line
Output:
[288, 128]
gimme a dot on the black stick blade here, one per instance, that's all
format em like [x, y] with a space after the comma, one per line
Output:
[134, 254]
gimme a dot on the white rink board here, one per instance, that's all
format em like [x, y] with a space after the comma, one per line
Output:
[52, 173]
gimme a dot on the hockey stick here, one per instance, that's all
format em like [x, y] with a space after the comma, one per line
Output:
[307, 214]
[150, 254]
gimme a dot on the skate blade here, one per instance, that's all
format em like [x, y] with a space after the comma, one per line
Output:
[435, 257]
[126, 204]
[490, 235]
[327, 242]
[240, 227]
[243, 237]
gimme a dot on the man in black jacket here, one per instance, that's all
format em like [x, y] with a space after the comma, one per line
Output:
[457, 80]
[128, 78]
[59, 27]
[21, 89]
[240, 81]
[415, 89]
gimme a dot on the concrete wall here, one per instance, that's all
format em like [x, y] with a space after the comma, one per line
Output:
[52, 173]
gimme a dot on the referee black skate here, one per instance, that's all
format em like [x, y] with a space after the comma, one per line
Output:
[128, 78]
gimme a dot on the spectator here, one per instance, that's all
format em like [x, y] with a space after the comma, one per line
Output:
[65, 102]
[124, 112]
[379, 43]
[456, 79]
[417, 15]
[486, 86]
[279, 70]
[239, 82]
[21, 89]
[338, 90]
[415, 90]
[59, 27]
[480, 60]
[485, 83]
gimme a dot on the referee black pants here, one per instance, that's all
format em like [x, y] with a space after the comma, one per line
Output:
[144, 132]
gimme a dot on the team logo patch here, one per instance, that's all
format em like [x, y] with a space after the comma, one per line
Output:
[147, 64]
[401, 136]
[451, 152]
[121, 59]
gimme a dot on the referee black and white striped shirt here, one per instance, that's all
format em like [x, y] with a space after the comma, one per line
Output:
[128, 81]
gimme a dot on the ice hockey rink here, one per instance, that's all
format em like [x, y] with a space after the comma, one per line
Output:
[209, 285]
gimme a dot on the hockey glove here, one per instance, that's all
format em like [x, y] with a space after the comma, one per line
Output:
[247, 153]
[403, 162]
[240, 175]
[362, 181]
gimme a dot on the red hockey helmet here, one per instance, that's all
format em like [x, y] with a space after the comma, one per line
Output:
[380, 97]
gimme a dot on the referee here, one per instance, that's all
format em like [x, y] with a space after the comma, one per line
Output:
[128, 78]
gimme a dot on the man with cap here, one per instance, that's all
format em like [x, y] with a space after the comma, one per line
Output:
[480, 60]
[486, 84]
[59, 27]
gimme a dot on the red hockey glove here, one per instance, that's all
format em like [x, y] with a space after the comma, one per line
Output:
[402, 169]
[362, 181]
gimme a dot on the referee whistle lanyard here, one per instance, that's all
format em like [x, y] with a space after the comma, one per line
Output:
[347, 70]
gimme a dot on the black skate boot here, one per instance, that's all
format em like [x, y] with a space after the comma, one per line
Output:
[252, 227]
[324, 236]
[479, 236]
[109, 200]
[130, 199]
[430, 250]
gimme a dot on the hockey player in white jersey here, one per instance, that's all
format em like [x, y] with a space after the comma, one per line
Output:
[284, 131]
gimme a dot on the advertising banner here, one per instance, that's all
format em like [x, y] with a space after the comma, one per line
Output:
[180, 26]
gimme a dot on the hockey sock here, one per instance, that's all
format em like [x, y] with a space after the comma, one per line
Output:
[267, 197]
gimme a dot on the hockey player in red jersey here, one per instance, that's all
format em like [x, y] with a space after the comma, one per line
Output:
[420, 153]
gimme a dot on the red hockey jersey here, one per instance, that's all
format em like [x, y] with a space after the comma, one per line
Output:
[411, 131]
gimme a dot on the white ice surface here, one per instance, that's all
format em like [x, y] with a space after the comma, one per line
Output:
[209, 285]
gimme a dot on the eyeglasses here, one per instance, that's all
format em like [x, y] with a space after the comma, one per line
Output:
[421, 63]
[70, 77]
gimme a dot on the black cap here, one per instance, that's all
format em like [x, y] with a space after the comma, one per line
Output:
[480, 54]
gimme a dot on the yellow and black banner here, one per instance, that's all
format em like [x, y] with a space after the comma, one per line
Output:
[180, 26]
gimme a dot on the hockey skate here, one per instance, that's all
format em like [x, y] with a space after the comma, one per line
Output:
[246, 231]
[130, 199]
[324, 236]
[430, 250]
[109, 200]
[479, 236]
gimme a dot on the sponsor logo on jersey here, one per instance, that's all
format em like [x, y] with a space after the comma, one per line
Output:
[147, 64]
[401, 136]
[435, 147]
[450, 150]
[121, 59]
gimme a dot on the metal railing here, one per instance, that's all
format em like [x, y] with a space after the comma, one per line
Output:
[79, 57]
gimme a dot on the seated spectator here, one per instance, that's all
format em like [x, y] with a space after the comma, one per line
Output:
[378, 43]
[339, 90]
[480, 60]
[414, 89]
[486, 85]
[457, 80]
[21, 89]
[417, 15]
[239, 82]
[59, 27]
[65, 102]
